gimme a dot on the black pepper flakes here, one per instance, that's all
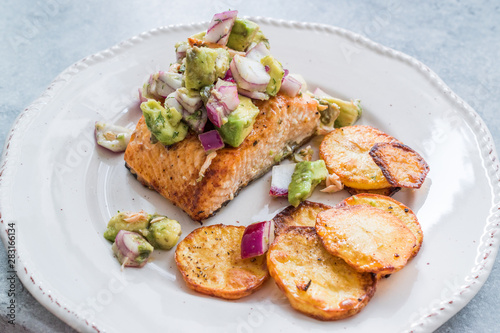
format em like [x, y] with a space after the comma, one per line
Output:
[306, 286]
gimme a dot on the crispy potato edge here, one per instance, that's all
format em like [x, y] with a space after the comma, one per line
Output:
[377, 154]
[193, 285]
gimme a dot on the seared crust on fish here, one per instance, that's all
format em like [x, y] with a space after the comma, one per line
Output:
[283, 124]
[315, 282]
[209, 259]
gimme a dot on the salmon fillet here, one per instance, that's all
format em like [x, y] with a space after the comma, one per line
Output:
[283, 124]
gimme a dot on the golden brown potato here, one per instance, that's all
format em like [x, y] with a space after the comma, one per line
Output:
[367, 238]
[401, 165]
[303, 215]
[346, 153]
[209, 259]
[315, 282]
[393, 207]
[388, 191]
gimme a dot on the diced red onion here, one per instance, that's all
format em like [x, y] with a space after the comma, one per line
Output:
[151, 88]
[222, 101]
[229, 76]
[126, 248]
[172, 102]
[161, 87]
[256, 239]
[249, 74]
[196, 120]
[141, 97]
[180, 51]
[281, 178]
[290, 86]
[229, 96]
[161, 84]
[220, 27]
[215, 111]
[173, 80]
[112, 137]
[189, 100]
[253, 94]
[258, 52]
[318, 92]
[286, 73]
[211, 140]
[303, 83]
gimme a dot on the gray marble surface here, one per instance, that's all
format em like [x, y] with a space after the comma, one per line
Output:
[459, 40]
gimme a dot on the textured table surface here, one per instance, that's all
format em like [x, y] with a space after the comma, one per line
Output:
[459, 40]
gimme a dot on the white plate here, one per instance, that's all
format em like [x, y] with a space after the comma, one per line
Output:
[59, 190]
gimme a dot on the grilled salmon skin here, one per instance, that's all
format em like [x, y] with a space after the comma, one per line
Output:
[283, 124]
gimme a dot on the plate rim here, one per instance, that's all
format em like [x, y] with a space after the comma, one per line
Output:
[433, 317]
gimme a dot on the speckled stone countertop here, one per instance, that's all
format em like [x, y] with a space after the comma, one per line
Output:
[459, 40]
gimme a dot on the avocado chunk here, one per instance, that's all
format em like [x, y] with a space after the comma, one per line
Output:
[164, 123]
[133, 250]
[350, 112]
[329, 112]
[204, 66]
[163, 233]
[259, 37]
[199, 35]
[239, 122]
[130, 221]
[276, 72]
[304, 179]
[243, 34]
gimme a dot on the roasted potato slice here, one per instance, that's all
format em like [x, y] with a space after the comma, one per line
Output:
[303, 215]
[393, 207]
[401, 165]
[388, 191]
[346, 153]
[367, 238]
[315, 282]
[209, 259]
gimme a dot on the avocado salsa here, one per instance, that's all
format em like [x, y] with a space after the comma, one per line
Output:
[211, 88]
[201, 91]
